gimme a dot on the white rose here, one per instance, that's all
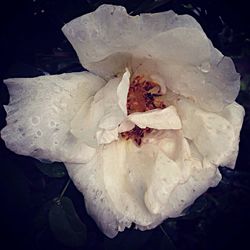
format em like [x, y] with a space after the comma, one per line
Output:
[144, 138]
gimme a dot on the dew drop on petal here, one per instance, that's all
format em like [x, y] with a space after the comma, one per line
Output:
[35, 120]
[52, 124]
[39, 133]
[205, 67]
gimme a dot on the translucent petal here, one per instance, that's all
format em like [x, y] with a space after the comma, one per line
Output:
[216, 135]
[40, 112]
[126, 184]
[97, 120]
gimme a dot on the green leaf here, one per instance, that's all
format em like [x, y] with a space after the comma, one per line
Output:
[55, 170]
[65, 224]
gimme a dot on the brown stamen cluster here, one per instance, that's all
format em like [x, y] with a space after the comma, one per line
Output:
[143, 95]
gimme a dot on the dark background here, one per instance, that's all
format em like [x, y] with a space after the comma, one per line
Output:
[32, 44]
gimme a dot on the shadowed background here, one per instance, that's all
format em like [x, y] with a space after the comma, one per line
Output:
[32, 44]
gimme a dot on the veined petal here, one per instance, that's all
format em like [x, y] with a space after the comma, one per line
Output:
[216, 135]
[125, 184]
[100, 115]
[39, 115]
[166, 118]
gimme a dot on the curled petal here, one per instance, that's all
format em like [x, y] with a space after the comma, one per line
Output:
[166, 118]
[216, 135]
[88, 178]
[39, 115]
[100, 115]
[126, 125]
[124, 184]
[106, 39]
[234, 113]
[198, 183]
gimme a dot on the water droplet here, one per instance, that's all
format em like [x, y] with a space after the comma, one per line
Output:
[205, 67]
[20, 130]
[39, 133]
[35, 120]
[52, 124]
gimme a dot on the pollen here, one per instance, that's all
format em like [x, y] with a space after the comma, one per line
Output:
[143, 95]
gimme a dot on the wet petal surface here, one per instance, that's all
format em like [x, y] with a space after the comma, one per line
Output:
[40, 112]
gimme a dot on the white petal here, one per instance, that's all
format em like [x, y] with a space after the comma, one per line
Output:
[175, 50]
[39, 115]
[101, 114]
[212, 85]
[234, 113]
[166, 118]
[122, 91]
[106, 136]
[164, 179]
[126, 125]
[215, 137]
[106, 38]
[88, 178]
[124, 184]
[198, 183]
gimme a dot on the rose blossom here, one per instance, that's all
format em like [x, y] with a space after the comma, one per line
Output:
[143, 134]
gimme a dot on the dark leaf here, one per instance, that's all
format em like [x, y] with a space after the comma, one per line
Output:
[41, 218]
[65, 224]
[55, 170]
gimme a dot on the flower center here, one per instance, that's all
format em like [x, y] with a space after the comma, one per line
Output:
[143, 95]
